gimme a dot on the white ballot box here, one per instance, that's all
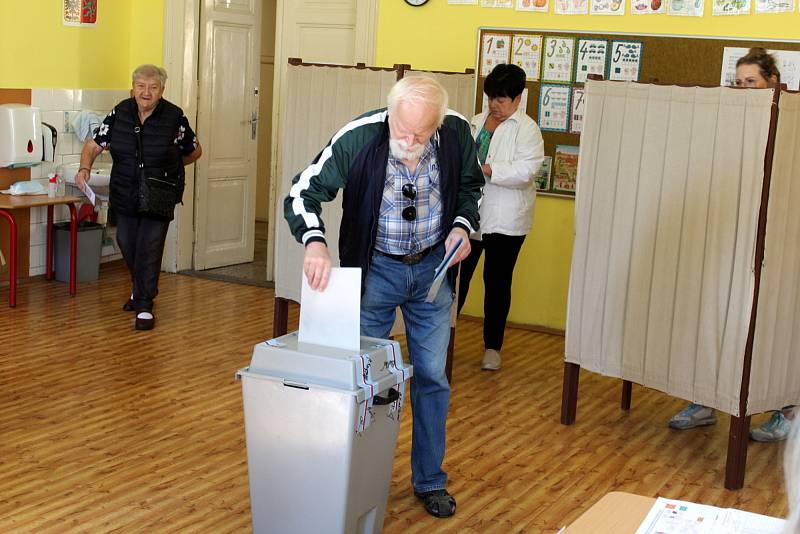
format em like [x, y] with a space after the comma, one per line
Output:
[321, 426]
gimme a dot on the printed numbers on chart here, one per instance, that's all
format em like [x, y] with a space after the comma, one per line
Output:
[552, 48]
[618, 52]
[520, 44]
[579, 94]
[583, 50]
[546, 97]
[489, 42]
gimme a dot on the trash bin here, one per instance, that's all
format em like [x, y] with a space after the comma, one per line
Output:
[90, 238]
[321, 427]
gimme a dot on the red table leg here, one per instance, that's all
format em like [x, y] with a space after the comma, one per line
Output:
[12, 268]
[48, 273]
[73, 247]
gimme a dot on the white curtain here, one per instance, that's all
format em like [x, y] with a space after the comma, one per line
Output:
[668, 193]
[775, 374]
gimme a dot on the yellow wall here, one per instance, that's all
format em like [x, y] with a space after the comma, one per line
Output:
[439, 36]
[37, 50]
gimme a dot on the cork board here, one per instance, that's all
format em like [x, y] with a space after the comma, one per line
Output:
[678, 60]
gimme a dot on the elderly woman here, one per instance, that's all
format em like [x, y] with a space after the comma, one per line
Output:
[510, 150]
[150, 142]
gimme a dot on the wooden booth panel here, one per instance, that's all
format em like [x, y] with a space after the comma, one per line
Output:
[8, 177]
[669, 186]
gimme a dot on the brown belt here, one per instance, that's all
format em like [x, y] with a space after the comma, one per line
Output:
[409, 259]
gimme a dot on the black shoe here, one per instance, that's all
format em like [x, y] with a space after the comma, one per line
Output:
[128, 306]
[144, 322]
[438, 503]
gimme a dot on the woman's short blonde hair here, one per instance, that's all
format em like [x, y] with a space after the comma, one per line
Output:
[149, 72]
[419, 89]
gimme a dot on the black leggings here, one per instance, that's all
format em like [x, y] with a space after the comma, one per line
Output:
[501, 256]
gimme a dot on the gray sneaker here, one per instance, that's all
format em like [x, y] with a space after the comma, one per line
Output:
[692, 416]
[491, 360]
[776, 428]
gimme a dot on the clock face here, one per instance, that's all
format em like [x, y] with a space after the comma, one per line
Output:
[416, 3]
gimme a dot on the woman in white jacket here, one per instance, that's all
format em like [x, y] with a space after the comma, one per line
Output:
[510, 149]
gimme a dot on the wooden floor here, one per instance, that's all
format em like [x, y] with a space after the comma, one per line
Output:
[104, 429]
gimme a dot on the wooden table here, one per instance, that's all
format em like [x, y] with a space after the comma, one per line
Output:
[615, 513]
[9, 203]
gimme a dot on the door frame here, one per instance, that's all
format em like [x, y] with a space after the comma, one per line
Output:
[180, 59]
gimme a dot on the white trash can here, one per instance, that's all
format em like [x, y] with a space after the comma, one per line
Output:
[321, 426]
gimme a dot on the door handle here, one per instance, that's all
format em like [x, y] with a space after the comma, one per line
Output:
[253, 125]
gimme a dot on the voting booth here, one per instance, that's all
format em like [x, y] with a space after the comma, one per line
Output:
[684, 271]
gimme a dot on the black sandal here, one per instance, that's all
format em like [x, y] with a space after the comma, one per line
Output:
[438, 503]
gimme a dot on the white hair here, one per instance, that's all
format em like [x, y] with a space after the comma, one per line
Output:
[791, 467]
[419, 89]
[149, 72]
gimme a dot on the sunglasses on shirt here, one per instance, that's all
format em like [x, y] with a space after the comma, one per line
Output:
[410, 192]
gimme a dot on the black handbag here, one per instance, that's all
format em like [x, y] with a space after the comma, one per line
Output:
[160, 189]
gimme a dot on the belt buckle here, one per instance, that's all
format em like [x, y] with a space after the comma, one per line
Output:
[412, 259]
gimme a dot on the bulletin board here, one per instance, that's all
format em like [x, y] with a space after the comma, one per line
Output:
[679, 60]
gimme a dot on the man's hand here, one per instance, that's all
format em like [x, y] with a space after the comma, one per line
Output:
[455, 234]
[317, 265]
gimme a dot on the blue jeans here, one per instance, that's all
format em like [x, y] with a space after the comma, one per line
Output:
[389, 284]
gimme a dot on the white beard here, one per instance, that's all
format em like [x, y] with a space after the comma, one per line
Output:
[402, 151]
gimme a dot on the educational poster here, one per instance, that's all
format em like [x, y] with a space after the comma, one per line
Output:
[578, 103]
[557, 60]
[542, 6]
[565, 169]
[606, 7]
[788, 65]
[686, 8]
[554, 107]
[495, 49]
[463, 2]
[79, 12]
[590, 59]
[648, 7]
[542, 176]
[774, 6]
[626, 60]
[527, 54]
[572, 7]
[507, 4]
[730, 7]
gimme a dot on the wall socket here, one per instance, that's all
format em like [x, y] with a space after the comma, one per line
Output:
[68, 122]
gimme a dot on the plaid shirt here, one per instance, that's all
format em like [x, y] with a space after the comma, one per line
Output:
[397, 235]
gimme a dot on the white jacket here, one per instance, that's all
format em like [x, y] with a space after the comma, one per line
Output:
[516, 152]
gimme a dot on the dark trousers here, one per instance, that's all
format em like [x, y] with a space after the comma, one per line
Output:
[498, 268]
[141, 240]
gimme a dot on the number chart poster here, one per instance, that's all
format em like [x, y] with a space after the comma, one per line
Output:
[495, 49]
[557, 60]
[626, 60]
[577, 107]
[590, 59]
[527, 54]
[554, 107]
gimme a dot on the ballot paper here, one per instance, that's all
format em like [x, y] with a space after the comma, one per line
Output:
[669, 516]
[331, 317]
[89, 194]
[441, 271]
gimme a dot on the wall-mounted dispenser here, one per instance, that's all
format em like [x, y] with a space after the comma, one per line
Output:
[20, 136]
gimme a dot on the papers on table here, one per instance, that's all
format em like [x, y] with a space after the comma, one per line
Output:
[669, 516]
[332, 317]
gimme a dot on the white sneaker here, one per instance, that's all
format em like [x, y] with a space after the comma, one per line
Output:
[692, 416]
[491, 360]
[776, 428]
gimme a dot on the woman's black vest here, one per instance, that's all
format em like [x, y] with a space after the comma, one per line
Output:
[159, 150]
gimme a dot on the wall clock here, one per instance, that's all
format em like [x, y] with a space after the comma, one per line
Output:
[416, 3]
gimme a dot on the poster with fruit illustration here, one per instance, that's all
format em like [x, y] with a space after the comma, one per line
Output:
[774, 6]
[542, 6]
[495, 49]
[730, 7]
[590, 58]
[572, 7]
[606, 7]
[527, 54]
[557, 59]
[626, 60]
[506, 4]
[648, 7]
[686, 8]
[554, 108]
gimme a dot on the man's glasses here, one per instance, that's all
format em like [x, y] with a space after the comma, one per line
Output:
[410, 192]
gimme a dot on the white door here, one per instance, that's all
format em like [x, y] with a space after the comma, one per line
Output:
[335, 31]
[225, 182]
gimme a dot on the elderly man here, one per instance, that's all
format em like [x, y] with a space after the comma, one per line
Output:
[411, 183]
